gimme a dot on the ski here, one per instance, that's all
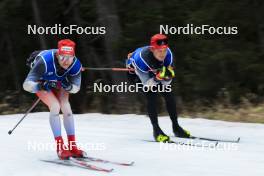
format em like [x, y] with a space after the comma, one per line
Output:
[217, 140]
[74, 162]
[211, 139]
[86, 158]
[188, 144]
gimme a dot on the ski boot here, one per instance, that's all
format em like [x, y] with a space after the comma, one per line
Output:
[76, 152]
[160, 136]
[180, 132]
[62, 151]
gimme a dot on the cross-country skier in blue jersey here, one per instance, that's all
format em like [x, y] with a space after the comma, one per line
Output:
[54, 74]
[153, 66]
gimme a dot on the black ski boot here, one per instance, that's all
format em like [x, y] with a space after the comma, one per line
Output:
[160, 136]
[180, 132]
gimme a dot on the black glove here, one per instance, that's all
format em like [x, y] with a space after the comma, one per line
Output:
[66, 85]
[48, 85]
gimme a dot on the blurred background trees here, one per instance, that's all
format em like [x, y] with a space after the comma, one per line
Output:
[210, 69]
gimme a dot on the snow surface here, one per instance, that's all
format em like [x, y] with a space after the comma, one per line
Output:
[121, 138]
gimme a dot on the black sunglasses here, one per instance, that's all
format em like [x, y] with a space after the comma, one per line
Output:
[162, 42]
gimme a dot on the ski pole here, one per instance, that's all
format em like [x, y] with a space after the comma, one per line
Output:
[107, 69]
[28, 111]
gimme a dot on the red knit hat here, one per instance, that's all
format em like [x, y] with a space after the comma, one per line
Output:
[158, 41]
[66, 47]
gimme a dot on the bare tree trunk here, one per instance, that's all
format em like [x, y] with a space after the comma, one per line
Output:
[14, 66]
[259, 9]
[108, 17]
[37, 19]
